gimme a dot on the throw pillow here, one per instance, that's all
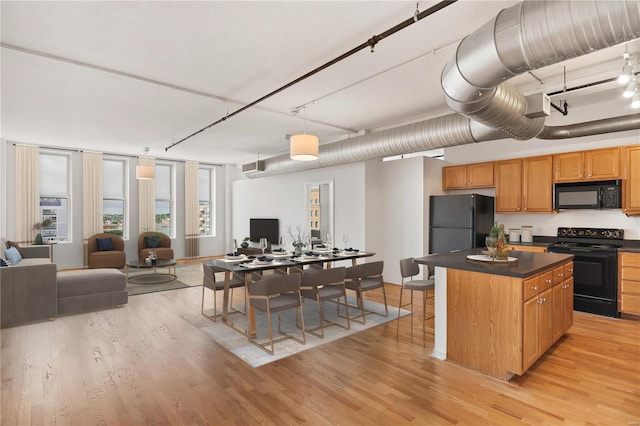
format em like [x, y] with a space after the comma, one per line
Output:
[152, 241]
[3, 262]
[16, 245]
[13, 255]
[104, 244]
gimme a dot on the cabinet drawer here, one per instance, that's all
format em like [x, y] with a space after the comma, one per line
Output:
[627, 273]
[530, 287]
[629, 259]
[630, 304]
[558, 275]
[627, 286]
[568, 269]
[546, 279]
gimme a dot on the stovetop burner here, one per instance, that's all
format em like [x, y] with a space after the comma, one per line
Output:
[590, 238]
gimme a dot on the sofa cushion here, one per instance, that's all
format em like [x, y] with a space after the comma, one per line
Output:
[33, 261]
[152, 241]
[13, 255]
[104, 244]
[91, 281]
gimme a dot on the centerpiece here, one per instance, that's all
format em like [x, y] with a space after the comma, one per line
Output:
[38, 226]
[298, 238]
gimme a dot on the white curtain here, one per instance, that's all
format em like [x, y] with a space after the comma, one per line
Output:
[191, 208]
[146, 199]
[27, 192]
[92, 190]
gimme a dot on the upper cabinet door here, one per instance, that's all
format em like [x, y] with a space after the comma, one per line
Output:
[480, 175]
[602, 164]
[537, 185]
[631, 183]
[454, 177]
[508, 176]
[569, 167]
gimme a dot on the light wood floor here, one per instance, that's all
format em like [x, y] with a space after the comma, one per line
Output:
[144, 364]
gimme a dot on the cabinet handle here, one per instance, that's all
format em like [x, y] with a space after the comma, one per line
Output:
[518, 209]
[590, 174]
[580, 176]
[561, 275]
[534, 287]
[526, 208]
[547, 281]
[571, 270]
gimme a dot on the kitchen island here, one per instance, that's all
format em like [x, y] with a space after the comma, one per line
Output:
[500, 317]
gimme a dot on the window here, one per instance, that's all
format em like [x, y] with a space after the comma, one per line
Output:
[206, 185]
[114, 204]
[164, 199]
[54, 196]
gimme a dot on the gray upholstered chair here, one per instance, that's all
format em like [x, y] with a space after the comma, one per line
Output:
[325, 284]
[408, 270]
[362, 278]
[209, 281]
[276, 293]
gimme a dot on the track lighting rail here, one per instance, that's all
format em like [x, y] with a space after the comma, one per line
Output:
[369, 43]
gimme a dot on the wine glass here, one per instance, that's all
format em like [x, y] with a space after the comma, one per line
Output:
[263, 244]
[329, 242]
[345, 240]
[234, 246]
[492, 245]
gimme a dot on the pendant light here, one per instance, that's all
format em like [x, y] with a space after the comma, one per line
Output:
[145, 172]
[304, 147]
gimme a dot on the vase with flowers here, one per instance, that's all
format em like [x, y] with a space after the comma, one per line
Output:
[298, 238]
[38, 227]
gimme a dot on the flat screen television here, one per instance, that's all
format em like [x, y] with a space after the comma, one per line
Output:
[264, 228]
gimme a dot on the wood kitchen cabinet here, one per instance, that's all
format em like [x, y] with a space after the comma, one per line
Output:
[478, 175]
[631, 180]
[597, 164]
[537, 318]
[524, 185]
[536, 249]
[562, 300]
[629, 283]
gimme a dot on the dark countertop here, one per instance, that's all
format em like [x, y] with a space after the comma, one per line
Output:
[629, 249]
[528, 263]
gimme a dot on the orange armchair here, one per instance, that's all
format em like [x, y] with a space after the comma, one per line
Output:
[157, 241]
[101, 254]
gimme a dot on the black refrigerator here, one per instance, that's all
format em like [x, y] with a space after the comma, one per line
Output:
[459, 222]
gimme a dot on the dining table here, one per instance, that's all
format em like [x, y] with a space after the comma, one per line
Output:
[251, 267]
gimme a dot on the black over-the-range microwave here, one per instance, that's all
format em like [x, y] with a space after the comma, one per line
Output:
[605, 194]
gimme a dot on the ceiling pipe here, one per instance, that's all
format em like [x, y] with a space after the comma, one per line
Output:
[519, 39]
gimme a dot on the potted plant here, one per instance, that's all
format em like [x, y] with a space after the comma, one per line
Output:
[245, 242]
[38, 226]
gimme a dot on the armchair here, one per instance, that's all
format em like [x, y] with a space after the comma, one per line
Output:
[103, 257]
[157, 241]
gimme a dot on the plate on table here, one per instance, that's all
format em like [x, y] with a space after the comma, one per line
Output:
[238, 257]
[280, 254]
[309, 257]
[485, 258]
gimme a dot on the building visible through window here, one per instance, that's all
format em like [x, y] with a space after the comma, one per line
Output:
[114, 197]
[206, 185]
[164, 198]
[54, 196]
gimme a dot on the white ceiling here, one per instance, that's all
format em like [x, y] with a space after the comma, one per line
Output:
[119, 76]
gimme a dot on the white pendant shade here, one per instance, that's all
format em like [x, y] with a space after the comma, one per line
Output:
[304, 147]
[145, 172]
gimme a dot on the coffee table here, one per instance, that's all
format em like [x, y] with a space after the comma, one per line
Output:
[154, 277]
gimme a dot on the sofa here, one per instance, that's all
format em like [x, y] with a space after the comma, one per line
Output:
[32, 289]
[28, 290]
[102, 257]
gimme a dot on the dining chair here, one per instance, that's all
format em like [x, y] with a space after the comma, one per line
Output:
[408, 270]
[321, 285]
[209, 281]
[276, 293]
[362, 278]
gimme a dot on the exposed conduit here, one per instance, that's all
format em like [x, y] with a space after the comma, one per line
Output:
[519, 39]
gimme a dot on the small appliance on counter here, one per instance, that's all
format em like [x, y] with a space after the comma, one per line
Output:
[514, 235]
[526, 234]
[595, 267]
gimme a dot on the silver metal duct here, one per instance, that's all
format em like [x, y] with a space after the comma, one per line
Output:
[597, 127]
[524, 37]
[438, 132]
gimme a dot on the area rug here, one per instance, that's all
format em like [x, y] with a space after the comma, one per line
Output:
[134, 289]
[238, 344]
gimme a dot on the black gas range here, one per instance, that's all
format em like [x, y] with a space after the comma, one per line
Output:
[595, 266]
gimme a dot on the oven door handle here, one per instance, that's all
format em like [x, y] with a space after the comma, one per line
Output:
[585, 250]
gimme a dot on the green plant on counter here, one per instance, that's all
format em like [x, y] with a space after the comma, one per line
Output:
[495, 230]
